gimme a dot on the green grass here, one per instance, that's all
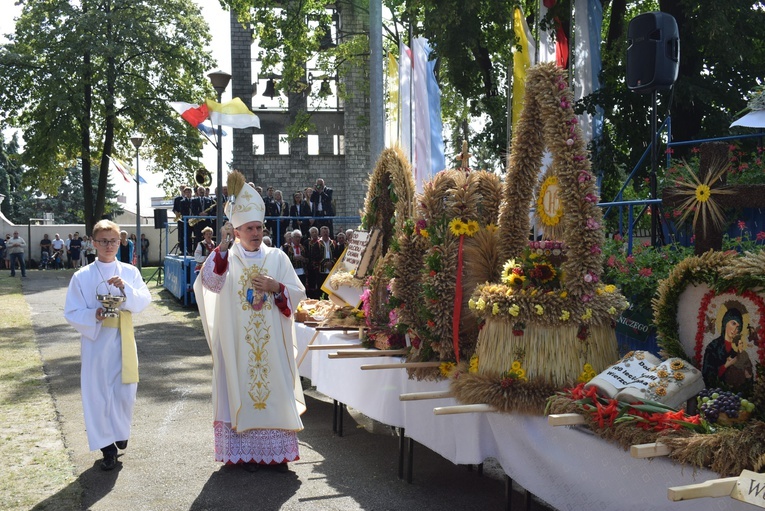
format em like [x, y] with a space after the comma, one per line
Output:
[35, 462]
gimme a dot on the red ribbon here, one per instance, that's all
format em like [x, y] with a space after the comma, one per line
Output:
[457, 303]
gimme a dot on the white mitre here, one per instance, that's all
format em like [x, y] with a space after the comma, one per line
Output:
[247, 206]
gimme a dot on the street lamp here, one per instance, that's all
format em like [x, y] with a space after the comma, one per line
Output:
[219, 80]
[137, 140]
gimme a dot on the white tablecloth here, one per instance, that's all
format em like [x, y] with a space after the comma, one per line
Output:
[570, 468]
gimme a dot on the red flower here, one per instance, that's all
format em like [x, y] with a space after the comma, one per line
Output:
[695, 150]
[741, 225]
[611, 261]
[645, 272]
[761, 236]
[630, 259]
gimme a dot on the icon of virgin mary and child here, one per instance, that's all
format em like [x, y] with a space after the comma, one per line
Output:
[726, 362]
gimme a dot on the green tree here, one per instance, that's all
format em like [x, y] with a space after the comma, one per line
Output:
[79, 77]
[10, 175]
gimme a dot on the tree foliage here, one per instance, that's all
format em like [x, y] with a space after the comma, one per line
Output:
[722, 59]
[80, 77]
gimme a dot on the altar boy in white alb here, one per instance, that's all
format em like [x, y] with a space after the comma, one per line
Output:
[109, 374]
[246, 293]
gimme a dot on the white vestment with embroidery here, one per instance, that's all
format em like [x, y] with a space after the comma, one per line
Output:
[257, 395]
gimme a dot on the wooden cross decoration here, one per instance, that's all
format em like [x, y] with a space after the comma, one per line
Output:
[742, 196]
[464, 156]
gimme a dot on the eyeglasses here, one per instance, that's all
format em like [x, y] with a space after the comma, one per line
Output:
[107, 243]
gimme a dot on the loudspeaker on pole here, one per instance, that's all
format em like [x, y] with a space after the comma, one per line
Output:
[160, 218]
[653, 52]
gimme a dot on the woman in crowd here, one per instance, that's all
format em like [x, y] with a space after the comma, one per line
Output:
[298, 255]
[204, 248]
[125, 249]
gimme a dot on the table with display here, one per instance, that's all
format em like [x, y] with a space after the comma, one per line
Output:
[568, 467]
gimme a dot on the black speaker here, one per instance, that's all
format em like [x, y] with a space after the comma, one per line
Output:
[653, 52]
[160, 218]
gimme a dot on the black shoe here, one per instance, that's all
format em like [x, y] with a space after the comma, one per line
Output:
[109, 462]
[282, 468]
[121, 444]
[251, 467]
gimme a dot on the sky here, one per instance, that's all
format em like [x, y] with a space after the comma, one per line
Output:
[219, 45]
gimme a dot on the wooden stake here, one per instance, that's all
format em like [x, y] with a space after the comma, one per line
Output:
[456, 409]
[368, 353]
[305, 351]
[334, 347]
[401, 365]
[651, 450]
[711, 488]
[419, 396]
[565, 419]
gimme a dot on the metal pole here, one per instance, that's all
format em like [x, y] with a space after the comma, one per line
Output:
[138, 210]
[219, 202]
[377, 112]
[654, 167]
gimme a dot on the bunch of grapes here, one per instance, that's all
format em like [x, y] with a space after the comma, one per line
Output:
[716, 402]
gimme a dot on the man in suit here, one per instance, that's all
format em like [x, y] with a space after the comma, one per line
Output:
[321, 204]
[300, 207]
[182, 208]
[277, 208]
[200, 206]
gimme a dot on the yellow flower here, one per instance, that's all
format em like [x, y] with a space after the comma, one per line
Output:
[565, 315]
[471, 227]
[353, 271]
[514, 310]
[587, 314]
[515, 280]
[480, 304]
[533, 256]
[520, 374]
[473, 364]
[676, 365]
[471, 304]
[563, 294]
[661, 391]
[516, 366]
[703, 193]
[446, 368]
[491, 228]
[457, 226]
[610, 288]
[588, 368]
[612, 311]
[679, 376]
[539, 309]
[495, 309]
[424, 233]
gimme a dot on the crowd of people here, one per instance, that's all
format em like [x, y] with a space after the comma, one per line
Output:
[305, 234]
[73, 252]
[312, 206]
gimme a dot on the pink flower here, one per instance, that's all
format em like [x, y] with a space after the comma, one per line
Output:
[646, 243]
[611, 261]
[393, 318]
[618, 237]
[591, 198]
[741, 225]
[570, 142]
[630, 259]
[645, 272]
[595, 250]
[670, 150]
[761, 236]
[592, 224]
[588, 278]
[586, 298]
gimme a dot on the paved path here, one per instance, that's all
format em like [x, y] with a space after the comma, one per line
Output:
[169, 462]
